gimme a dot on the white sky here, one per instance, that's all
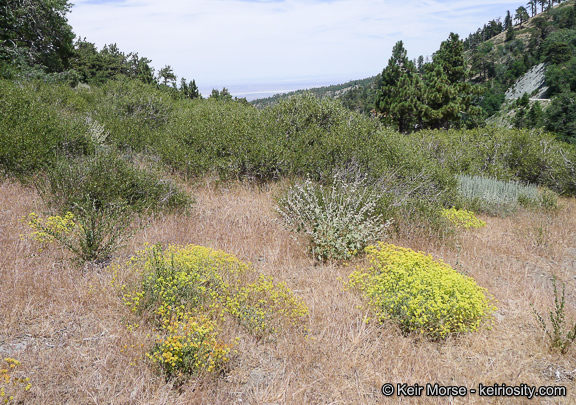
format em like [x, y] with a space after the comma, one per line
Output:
[230, 42]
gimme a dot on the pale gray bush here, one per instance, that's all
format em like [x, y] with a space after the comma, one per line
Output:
[339, 220]
[496, 197]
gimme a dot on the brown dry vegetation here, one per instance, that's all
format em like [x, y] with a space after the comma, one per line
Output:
[68, 326]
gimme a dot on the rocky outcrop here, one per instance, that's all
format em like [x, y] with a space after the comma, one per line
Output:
[531, 81]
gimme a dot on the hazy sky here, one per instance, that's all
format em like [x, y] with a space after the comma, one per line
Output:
[228, 42]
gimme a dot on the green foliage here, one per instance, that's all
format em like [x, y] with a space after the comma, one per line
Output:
[561, 116]
[191, 292]
[398, 99]
[420, 293]
[97, 67]
[34, 131]
[562, 77]
[439, 98]
[339, 221]
[506, 154]
[356, 95]
[560, 339]
[92, 235]
[37, 31]
[107, 178]
[535, 117]
[521, 15]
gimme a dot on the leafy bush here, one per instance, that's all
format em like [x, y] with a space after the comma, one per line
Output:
[107, 178]
[339, 220]
[189, 291]
[33, 133]
[560, 339]
[527, 156]
[463, 218]
[420, 293]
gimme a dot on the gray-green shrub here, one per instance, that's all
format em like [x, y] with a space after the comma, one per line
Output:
[339, 220]
[496, 197]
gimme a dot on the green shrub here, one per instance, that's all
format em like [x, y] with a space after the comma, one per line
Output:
[339, 219]
[101, 195]
[420, 293]
[107, 178]
[33, 133]
[560, 339]
[92, 235]
[527, 156]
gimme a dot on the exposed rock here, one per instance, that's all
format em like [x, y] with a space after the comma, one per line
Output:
[533, 80]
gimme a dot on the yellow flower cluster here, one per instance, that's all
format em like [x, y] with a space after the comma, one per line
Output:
[463, 218]
[421, 293]
[191, 346]
[190, 290]
[11, 386]
[263, 307]
[52, 228]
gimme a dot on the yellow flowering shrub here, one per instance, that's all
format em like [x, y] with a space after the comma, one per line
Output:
[190, 347]
[421, 293]
[51, 228]
[263, 307]
[12, 389]
[190, 290]
[463, 218]
[91, 235]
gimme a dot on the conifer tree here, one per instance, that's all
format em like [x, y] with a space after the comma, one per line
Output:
[508, 20]
[166, 74]
[448, 97]
[535, 117]
[399, 98]
[521, 15]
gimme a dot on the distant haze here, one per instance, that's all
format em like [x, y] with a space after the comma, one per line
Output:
[271, 46]
[253, 91]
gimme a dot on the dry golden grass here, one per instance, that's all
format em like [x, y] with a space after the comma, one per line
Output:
[68, 327]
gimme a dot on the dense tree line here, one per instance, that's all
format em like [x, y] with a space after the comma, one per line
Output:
[36, 41]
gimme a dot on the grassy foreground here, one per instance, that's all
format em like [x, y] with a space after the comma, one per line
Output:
[69, 329]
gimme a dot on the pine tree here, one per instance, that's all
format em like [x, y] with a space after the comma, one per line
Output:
[510, 35]
[399, 98]
[535, 117]
[448, 97]
[508, 20]
[166, 74]
[189, 90]
[521, 15]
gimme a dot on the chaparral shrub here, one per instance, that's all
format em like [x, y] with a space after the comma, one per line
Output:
[420, 293]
